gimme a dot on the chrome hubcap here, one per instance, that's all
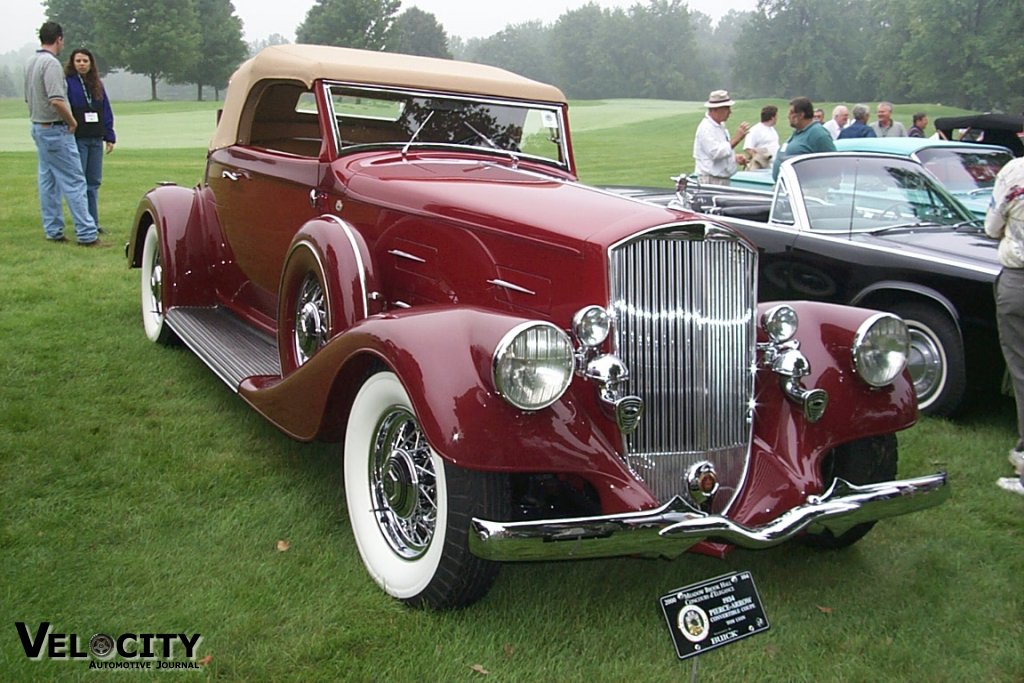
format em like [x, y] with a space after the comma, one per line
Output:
[311, 325]
[925, 365]
[403, 484]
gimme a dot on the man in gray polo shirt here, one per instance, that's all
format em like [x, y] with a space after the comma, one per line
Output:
[53, 130]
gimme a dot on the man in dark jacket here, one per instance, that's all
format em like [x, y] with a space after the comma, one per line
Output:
[859, 128]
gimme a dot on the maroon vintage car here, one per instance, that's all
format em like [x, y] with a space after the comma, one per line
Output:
[394, 252]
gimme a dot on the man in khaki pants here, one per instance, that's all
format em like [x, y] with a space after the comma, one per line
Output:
[713, 147]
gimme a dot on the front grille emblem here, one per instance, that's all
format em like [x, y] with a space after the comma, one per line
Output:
[628, 411]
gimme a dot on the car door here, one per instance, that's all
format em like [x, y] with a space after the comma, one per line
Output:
[263, 197]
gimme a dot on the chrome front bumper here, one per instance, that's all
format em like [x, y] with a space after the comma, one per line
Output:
[670, 530]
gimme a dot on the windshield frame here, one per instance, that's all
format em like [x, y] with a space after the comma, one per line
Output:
[928, 155]
[406, 136]
[800, 197]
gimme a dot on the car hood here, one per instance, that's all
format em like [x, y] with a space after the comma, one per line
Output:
[971, 250]
[500, 195]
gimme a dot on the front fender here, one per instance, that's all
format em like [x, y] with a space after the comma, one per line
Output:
[787, 449]
[443, 356]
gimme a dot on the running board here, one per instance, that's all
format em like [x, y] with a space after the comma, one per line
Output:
[232, 349]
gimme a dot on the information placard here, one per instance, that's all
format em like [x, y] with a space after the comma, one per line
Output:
[713, 613]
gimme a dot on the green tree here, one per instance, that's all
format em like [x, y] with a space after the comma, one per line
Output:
[362, 24]
[657, 55]
[522, 48]
[717, 44]
[77, 20]
[806, 47]
[582, 59]
[416, 32]
[221, 48]
[962, 52]
[157, 38]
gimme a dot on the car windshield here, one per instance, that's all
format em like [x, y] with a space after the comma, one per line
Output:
[842, 194]
[964, 170]
[365, 116]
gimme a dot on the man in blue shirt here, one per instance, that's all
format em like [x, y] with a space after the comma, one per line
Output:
[808, 137]
[859, 128]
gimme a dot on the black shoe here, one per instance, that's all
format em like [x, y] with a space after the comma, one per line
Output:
[61, 238]
[100, 231]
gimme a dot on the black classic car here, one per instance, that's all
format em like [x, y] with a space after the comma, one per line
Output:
[877, 231]
[989, 129]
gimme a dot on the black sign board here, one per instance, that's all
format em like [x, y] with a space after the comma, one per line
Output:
[713, 613]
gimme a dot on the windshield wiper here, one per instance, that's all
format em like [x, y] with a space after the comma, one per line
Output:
[492, 144]
[975, 224]
[417, 132]
[902, 226]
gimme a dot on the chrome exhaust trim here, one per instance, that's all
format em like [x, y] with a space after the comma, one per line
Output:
[671, 529]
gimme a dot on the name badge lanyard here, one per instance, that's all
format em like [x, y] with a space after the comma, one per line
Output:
[88, 95]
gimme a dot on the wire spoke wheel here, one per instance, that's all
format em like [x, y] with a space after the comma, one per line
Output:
[410, 510]
[311, 321]
[403, 484]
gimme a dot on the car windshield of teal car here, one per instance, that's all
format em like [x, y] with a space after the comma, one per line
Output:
[872, 194]
[365, 116]
[964, 171]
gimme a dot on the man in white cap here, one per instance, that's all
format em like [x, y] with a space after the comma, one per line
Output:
[713, 148]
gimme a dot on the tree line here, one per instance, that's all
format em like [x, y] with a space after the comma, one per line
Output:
[180, 41]
[958, 52]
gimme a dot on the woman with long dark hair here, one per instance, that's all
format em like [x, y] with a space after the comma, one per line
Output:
[91, 107]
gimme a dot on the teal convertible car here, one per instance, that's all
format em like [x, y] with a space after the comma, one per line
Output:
[965, 170]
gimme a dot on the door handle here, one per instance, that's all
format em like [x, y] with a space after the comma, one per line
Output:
[317, 199]
[231, 175]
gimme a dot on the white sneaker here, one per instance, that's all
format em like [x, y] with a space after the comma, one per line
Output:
[1011, 484]
[1017, 460]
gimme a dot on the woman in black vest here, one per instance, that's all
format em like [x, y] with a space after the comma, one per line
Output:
[91, 107]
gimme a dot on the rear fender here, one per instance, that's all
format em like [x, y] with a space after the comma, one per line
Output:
[178, 214]
[443, 358]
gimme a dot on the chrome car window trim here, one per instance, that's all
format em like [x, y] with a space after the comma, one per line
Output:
[555, 108]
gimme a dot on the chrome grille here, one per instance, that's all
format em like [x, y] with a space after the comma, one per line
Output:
[684, 303]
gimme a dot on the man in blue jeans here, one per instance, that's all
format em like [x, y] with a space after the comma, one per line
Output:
[53, 130]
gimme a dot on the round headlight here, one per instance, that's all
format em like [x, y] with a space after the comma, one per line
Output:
[591, 325]
[880, 349]
[533, 365]
[780, 322]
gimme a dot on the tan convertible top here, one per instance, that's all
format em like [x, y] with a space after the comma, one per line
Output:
[307, 63]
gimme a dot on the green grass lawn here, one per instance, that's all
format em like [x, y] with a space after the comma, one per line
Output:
[141, 495]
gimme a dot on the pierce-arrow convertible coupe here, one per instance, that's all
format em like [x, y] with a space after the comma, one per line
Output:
[395, 253]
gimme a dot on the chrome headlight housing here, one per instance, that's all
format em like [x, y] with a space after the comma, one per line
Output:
[591, 325]
[533, 365]
[780, 323]
[880, 349]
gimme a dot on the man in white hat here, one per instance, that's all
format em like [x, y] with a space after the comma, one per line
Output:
[713, 148]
